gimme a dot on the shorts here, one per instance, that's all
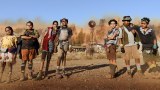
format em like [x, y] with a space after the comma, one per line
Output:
[111, 52]
[6, 57]
[131, 52]
[62, 50]
[28, 54]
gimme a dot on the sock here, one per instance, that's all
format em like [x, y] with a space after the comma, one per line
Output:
[128, 68]
[23, 67]
[138, 67]
[58, 67]
[30, 67]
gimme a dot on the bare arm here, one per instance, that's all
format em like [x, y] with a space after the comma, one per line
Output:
[155, 38]
[155, 41]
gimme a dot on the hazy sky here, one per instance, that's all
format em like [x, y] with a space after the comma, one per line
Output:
[77, 11]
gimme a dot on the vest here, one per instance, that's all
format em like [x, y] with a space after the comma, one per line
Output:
[125, 37]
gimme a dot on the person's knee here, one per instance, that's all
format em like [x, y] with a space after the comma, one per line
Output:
[127, 61]
[137, 60]
[10, 67]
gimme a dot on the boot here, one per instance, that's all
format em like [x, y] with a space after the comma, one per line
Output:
[128, 74]
[39, 76]
[64, 74]
[58, 75]
[30, 75]
[22, 78]
[63, 71]
[112, 71]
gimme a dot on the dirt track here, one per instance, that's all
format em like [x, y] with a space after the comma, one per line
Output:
[84, 75]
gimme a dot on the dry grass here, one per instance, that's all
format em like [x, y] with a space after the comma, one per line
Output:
[83, 56]
[81, 34]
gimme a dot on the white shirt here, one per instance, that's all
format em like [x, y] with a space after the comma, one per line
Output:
[130, 37]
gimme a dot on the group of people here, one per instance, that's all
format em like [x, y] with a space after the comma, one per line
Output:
[53, 39]
[129, 37]
[57, 38]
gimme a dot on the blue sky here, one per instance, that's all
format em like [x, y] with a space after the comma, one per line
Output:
[77, 11]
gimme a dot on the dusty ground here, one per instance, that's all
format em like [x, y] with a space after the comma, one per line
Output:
[85, 74]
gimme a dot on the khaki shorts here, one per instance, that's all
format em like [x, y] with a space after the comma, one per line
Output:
[62, 50]
[111, 52]
[131, 52]
[28, 54]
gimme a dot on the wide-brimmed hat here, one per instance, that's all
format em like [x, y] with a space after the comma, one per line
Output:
[127, 18]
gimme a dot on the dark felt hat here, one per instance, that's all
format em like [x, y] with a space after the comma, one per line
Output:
[127, 18]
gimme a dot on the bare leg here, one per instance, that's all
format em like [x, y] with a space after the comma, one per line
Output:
[127, 62]
[59, 61]
[128, 65]
[3, 64]
[42, 65]
[138, 64]
[47, 63]
[9, 72]
[39, 76]
[64, 63]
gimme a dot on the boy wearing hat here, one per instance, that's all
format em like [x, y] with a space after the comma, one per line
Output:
[129, 41]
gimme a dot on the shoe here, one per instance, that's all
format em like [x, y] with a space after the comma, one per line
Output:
[112, 71]
[138, 74]
[58, 75]
[9, 78]
[128, 74]
[39, 76]
[22, 78]
[30, 75]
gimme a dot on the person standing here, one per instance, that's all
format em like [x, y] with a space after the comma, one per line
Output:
[47, 48]
[29, 49]
[129, 45]
[64, 36]
[8, 53]
[149, 43]
[111, 43]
